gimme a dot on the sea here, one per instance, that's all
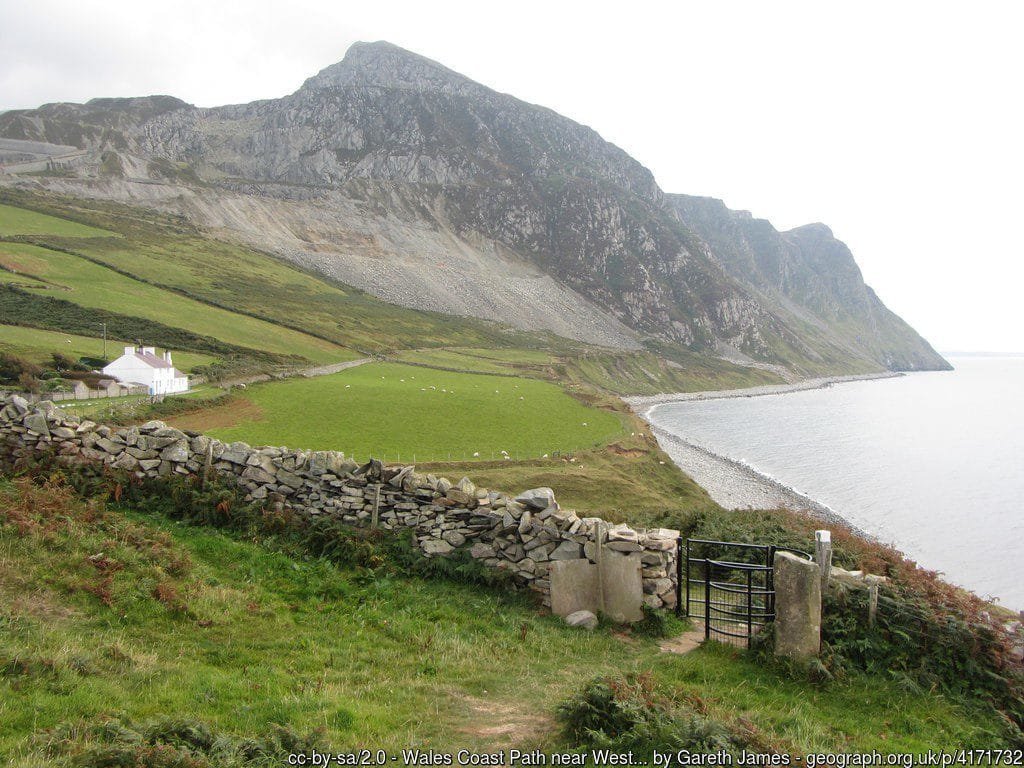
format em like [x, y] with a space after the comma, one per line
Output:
[932, 463]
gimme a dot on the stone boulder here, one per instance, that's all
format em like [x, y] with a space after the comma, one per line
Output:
[537, 498]
[583, 619]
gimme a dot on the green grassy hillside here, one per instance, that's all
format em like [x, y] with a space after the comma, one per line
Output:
[172, 256]
[21, 221]
[114, 619]
[38, 345]
[87, 284]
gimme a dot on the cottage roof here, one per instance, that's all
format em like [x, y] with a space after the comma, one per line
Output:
[151, 360]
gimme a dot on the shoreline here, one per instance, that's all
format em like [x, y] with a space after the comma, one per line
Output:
[731, 483]
[647, 402]
[735, 485]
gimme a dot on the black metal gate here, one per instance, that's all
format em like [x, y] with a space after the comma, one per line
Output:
[728, 585]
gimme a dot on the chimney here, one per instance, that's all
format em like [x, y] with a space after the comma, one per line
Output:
[167, 357]
[129, 350]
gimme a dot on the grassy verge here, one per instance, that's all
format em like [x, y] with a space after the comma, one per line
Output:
[115, 614]
[137, 409]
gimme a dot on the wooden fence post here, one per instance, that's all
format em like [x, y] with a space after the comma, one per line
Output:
[599, 534]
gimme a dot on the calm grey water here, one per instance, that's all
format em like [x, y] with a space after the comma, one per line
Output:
[932, 462]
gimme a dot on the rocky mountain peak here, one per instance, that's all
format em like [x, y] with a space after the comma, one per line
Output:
[385, 65]
[815, 230]
[406, 179]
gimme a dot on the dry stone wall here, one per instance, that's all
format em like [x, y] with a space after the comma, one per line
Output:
[520, 534]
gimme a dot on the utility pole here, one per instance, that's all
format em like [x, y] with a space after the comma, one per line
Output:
[104, 341]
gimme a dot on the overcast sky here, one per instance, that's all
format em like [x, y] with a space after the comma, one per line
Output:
[897, 124]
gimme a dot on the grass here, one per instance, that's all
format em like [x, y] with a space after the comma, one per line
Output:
[120, 409]
[630, 480]
[20, 221]
[624, 477]
[861, 714]
[400, 411]
[515, 361]
[587, 368]
[178, 620]
[90, 285]
[38, 345]
[644, 373]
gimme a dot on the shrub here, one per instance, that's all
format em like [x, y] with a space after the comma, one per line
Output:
[173, 743]
[12, 368]
[62, 363]
[626, 713]
[659, 624]
[927, 644]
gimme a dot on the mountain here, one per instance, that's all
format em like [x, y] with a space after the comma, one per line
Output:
[389, 172]
[809, 276]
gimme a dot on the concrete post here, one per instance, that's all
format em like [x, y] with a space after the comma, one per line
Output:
[823, 556]
[797, 607]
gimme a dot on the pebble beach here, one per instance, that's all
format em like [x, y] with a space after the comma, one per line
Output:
[731, 483]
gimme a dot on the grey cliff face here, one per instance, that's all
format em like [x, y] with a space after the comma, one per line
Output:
[403, 149]
[810, 276]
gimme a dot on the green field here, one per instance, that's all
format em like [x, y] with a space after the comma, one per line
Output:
[175, 620]
[38, 345]
[386, 409]
[90, 285]
[472, 360]
[20, 221]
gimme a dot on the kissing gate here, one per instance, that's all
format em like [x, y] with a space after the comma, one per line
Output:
[727, 584]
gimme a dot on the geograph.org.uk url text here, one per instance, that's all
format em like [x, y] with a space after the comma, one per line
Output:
[661, 759]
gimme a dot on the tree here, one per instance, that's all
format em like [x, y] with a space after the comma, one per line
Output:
[62, 362]
[28, 382]
[12, 368]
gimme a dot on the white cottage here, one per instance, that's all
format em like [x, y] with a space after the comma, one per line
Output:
[142, 365]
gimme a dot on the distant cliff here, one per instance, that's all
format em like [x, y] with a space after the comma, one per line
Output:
[811, 277]
[395, 174]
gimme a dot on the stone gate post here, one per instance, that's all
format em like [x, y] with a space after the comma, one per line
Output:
[797, 606]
